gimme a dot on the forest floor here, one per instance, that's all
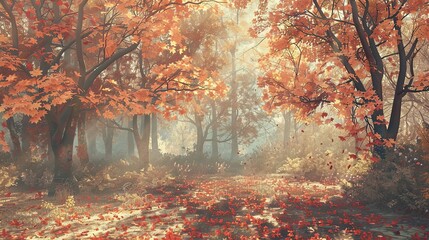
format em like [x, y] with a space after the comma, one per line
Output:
[207, 207]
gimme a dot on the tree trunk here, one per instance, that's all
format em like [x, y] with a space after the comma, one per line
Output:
[154, 134]
[108, 141]
[215, 144]
[234, 110]
[16, 143]
[62, 134]
[199, 147]
[82, 148]
[92, 139]
[51, 157]
[25, 138]
[63, 172]
[145, 141]
[130, 140]
[295, 129]
[234, 88]
[287, 116]
[142, 125]
[142, 142]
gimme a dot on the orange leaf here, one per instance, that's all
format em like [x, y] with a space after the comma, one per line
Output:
[36, 72]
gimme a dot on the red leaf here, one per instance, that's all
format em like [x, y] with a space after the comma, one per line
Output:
[6, 234]
[44, 221]
[58, 222]
[342, 138]
[16, 223]
[374, 159]
[38, 195]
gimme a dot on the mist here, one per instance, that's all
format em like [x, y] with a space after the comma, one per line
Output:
[214, 120]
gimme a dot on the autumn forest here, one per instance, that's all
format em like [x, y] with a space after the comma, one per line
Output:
[214, 119]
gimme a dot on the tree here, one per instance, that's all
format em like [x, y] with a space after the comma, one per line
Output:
[168, 77]
[348, 47]
[36, 81]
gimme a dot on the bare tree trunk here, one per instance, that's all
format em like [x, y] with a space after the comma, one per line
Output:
[287, 116]
[234, 88]
[108, 141]
[295, 129]
[62, 134]
[92, 139]
[142, 141]
[14, 137]
[51, 157]
[82, 148]
[142, 119]
[25, 138]
[145, 141]
[234, 110]
[199, 147]
[215, 144]
[154, 134]
[130, 140]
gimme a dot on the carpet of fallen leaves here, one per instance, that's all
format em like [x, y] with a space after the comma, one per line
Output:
[207, 207]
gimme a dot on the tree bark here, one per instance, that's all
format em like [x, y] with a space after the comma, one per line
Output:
[287, 116]
[234, 110]
[145, 141]
[82, 148]
[199, 147]
[295, 129]
[154, 134]
[92, 139]
[130, 140]
[62, 133]
[234, 88]
[108, 141]
[142, 141]
[14, 137]
[25, 138]
[215, 144]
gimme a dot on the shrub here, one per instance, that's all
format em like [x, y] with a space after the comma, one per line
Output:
[397, 182]
[116, 176]
[266, 159]
[327, 166]
[192, 164]
[8, 176]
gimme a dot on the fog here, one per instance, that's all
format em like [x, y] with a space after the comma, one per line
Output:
[214, 120]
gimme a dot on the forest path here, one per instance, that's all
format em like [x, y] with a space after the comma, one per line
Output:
[207, 207]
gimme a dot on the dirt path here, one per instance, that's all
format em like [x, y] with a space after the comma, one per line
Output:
[251, 207]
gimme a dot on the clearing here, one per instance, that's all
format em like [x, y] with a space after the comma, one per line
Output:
[206, 207]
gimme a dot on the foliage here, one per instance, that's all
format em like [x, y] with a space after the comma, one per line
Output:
[424, 164]
[358, 57]
[61, 210]
[39, 176]
[319, 167]
[398, 183]
[263, 160]
[192, 164]
[121, 176]
[8, 176]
